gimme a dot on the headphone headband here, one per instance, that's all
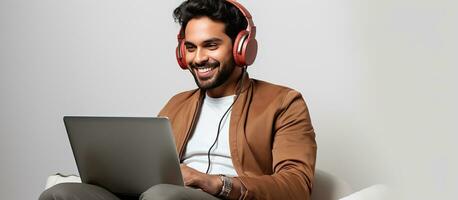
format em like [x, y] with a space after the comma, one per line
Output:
[250, 26]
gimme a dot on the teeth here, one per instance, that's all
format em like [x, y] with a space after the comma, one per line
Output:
[203, 70]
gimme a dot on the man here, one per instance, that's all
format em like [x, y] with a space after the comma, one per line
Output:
[267, 135]
[237, 138]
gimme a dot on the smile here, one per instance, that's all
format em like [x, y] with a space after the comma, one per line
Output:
[203, 70]
[204, 73]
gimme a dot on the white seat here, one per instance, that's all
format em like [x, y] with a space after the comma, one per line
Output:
[374, 192]
[59, 178]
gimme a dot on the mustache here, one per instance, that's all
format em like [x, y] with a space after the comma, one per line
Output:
[210, 64]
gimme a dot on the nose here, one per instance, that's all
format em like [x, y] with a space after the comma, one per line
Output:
[201, 57]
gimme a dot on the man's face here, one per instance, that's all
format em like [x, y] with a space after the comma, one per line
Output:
[208, 52]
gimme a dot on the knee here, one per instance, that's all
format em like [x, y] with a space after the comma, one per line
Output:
[161, 192]
[76, 191]
[62, 191]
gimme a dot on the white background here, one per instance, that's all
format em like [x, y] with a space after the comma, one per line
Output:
[379, 78]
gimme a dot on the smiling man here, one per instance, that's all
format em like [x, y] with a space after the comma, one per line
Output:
[237, 138]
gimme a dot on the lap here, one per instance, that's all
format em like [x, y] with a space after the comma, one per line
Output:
[76, 191]
[169, 192]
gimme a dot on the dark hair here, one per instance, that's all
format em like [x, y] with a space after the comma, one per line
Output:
[216, 10]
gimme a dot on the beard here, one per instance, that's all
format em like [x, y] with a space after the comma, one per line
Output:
[220, 77]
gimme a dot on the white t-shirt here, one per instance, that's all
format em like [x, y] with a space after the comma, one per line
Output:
[205, 134]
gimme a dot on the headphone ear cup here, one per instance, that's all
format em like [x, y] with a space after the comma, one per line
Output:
[181, 55]
[245, 49]
[250, 51]
[237, 49]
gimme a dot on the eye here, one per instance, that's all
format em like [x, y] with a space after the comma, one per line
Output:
[190, 48]
[212, 46]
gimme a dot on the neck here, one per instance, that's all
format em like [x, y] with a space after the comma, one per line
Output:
[229, 87]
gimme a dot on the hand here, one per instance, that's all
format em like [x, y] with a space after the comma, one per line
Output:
[211, 184]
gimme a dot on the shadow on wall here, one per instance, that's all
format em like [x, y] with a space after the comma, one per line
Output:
[329, 187]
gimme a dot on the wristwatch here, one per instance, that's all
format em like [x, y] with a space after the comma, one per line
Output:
[227, 187]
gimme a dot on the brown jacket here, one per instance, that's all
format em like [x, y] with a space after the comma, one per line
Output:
[272, 141]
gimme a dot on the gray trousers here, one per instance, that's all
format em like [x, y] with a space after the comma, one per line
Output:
[81, 191]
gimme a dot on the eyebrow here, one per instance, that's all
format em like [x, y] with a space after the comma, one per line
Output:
[217, 40]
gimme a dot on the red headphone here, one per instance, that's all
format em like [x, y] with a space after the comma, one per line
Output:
[245, 45]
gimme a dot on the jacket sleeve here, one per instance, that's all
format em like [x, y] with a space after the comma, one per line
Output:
[293, 153]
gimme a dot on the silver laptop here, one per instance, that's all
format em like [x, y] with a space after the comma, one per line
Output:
[125, 155]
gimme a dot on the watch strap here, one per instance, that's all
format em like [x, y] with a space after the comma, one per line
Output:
[227, 187]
